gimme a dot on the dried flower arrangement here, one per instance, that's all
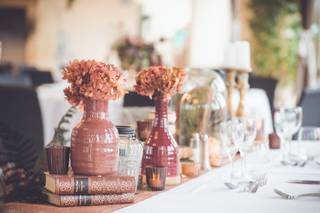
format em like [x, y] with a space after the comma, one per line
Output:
[159, 80]
[136, 54]
[93, 80]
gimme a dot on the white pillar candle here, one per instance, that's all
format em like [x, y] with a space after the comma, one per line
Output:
[229, 60]
[242, 49]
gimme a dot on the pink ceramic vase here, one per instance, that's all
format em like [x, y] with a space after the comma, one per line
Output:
[94, 141]
[161, 149]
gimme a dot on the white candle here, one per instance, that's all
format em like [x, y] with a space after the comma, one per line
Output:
[229, 60]
[242, 49]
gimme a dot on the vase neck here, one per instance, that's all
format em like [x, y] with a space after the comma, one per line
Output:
[95, 109]
[161, 114]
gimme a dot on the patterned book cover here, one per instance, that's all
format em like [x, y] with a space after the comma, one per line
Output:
[88, 185]
[89, 200]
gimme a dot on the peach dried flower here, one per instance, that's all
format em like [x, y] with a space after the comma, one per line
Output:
[159, 79]
[93, 80]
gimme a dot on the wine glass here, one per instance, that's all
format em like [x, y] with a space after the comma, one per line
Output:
[287, 122]
[237, 135]
[249, 130]
[227, 143]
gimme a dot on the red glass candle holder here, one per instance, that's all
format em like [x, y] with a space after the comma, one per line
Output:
[156, 177]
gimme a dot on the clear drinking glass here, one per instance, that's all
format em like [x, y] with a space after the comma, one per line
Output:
[228, 145]
[237, 136]
[287, 122]
[130, 153]
[259, 163]
[309, 134]
[250, 130]
[306, 136]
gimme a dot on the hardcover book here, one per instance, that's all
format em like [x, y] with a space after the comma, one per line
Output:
[88, 185]
[89, 200]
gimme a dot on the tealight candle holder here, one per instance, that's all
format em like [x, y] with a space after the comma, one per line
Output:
[58, 159]
[156, 177]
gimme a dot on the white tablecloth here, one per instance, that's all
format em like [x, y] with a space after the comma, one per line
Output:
[53, 105]
[207, 193]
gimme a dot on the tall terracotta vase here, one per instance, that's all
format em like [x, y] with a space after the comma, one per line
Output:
[161, 149]
[94, 141]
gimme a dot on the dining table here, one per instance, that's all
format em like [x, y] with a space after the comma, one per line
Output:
[208, 192]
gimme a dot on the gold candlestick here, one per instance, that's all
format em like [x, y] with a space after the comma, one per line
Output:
[243, 85]
[230, 86]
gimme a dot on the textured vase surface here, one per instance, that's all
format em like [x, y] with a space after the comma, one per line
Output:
[94, 141]
[161, 149]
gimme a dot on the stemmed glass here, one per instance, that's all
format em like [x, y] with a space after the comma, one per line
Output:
[236, 129]
[249, 129]
[228, 144]
[287, 122]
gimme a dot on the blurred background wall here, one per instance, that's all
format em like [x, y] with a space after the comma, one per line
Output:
[54, 31]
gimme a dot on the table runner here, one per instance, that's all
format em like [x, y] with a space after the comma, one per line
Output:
[14, 207]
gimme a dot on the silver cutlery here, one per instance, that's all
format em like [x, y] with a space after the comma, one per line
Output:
[293, 197]
[246, 186]
[313, 182]
[231, 186]
[287, 163]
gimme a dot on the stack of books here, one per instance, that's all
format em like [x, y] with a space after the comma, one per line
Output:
[69, 190]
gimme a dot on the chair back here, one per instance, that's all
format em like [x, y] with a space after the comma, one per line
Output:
[310, 103]
[8, 79]
[267, 84]
[38, 77]
[133, 99]
[20, 111]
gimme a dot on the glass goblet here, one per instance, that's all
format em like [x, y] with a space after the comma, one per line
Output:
[250, 130]
[227, 144]
[237, 136]
[287, 122]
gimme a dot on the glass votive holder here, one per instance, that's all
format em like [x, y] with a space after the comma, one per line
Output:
[58, 159]
[144, 128]
[130, 153]
[156, 177]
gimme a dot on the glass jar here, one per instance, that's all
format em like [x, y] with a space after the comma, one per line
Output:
[130, 152]
[202, 104]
